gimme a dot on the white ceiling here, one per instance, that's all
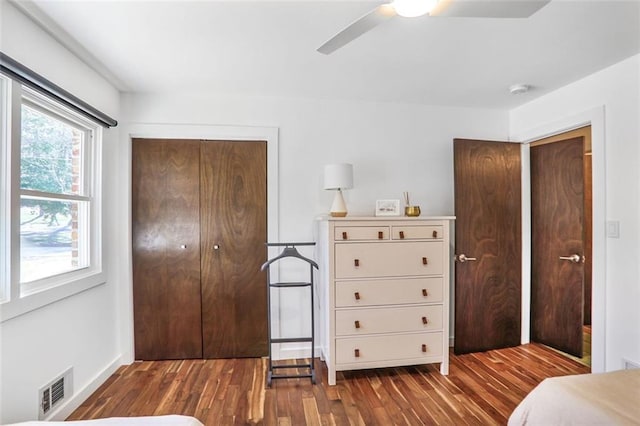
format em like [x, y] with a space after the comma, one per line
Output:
[269, 48]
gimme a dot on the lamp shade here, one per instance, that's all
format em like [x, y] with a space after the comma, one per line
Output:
[338, 176]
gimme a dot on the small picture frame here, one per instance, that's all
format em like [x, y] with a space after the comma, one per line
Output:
[387, 207]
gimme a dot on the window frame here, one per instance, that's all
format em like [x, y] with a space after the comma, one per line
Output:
[18, 298]
[5, 204]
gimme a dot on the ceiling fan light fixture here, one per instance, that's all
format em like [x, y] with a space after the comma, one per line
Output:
[413, 8]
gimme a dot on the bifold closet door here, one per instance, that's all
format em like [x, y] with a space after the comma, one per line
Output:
[166, 249]
[233, 223]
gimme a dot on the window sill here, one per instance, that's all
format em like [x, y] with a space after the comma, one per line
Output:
[20, 306]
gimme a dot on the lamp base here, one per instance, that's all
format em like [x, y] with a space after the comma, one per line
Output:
[338, 208]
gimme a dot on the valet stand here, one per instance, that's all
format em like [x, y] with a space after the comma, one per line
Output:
[289, 251]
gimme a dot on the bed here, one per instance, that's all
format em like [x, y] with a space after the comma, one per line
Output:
[587, 399]
[173, 420]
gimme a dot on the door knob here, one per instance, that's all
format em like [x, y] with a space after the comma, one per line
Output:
[183, 246]
[463, 258]
[216, 247]
[574, 258]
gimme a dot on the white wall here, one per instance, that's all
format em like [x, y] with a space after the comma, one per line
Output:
[393, 147]
[79, 331]
[617, 90]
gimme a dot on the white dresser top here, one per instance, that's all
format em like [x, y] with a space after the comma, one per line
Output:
[385, 218]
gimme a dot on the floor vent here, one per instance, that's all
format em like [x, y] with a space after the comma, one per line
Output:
[54, 393]
[629, 365]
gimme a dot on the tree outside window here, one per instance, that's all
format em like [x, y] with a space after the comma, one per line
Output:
[52, 204]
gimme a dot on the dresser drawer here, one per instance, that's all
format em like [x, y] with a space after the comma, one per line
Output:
[361, 233]
[416, 232]
[388, 320]
[397, 259]
[370, 349]
[388, 292]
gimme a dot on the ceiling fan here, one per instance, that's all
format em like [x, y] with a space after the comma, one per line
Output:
[440, 8]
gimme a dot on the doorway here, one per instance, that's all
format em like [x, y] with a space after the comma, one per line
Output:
[562, 222]
[485, 156]
[122, 242]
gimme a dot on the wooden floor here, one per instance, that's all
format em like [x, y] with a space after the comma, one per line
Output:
[481, 389]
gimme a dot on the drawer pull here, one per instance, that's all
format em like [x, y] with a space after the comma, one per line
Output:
[380, 235]
[424, 261]
[425, 293]
[402, 235]
[357, 323]
[435, 234]
[357, 352]
[424, 348]
[357, 295]
[356, 262]
[344, 235]
[424, 320]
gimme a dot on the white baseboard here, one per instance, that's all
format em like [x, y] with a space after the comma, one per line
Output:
[295, 353]
[627, 364]
[85, 392]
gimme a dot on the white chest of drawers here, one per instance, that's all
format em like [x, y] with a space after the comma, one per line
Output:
[384, 292]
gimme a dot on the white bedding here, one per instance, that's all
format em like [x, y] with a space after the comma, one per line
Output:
[173, 420]
[587, 399]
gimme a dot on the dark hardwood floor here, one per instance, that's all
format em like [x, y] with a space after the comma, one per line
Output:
[481, 389]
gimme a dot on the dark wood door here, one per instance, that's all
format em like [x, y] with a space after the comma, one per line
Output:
[488, 231]
[234, 231]
[557, 224]
[166, 249]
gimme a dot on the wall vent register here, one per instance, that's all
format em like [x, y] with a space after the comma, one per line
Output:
[54, 393]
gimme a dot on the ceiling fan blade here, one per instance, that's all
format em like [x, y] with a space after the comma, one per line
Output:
[488, 8]
[372, 19]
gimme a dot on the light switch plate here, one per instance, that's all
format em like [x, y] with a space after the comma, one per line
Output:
[613, 229]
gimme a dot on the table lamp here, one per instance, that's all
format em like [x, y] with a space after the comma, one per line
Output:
[338, 177]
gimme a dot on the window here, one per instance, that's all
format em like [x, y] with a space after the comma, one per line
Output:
[50, 200]
[54, 201]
